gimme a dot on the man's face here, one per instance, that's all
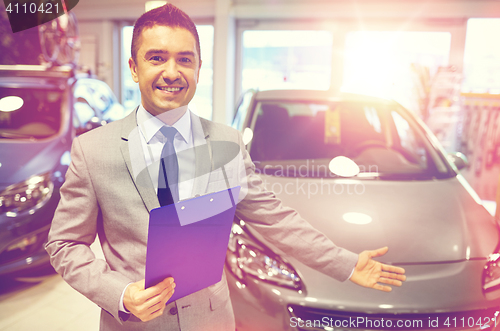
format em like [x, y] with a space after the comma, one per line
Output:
[167, 68]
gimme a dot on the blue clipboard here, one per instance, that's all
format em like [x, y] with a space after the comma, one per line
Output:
[188, 241]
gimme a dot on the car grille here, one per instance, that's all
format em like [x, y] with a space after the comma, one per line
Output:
[313, 319]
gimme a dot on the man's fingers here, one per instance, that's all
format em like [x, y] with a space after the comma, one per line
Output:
[149, 303]
[393, 269]
[382, 288]
[157, 289]
[167, 281]
[393, 276]
[162, 297]
[170, 293]
[378, 252]
[393, 272]
[161, 285]
[141, 284]
[155, 307]
[390, 281]
[167, 293]
[153, 313]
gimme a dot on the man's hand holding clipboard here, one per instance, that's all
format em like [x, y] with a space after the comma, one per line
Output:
[149, 303]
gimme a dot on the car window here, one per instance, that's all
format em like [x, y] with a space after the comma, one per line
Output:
[99, 96]
[96, 93]
[102, 96]
[408, 140]
[375, 136]
[242, 110]
[38, 115]
[83, 112]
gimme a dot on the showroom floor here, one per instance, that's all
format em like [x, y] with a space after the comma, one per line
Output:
[47, 303]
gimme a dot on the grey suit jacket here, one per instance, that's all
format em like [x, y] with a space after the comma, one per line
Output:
[107, 193]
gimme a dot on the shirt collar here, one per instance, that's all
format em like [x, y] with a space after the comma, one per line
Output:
[149, 125]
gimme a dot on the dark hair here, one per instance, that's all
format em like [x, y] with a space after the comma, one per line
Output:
[166, 15]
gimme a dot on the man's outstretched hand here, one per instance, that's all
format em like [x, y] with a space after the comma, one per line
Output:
[369, 273]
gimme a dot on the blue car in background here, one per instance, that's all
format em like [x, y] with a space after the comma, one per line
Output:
[42, 109]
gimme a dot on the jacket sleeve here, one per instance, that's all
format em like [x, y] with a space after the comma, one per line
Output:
[74, 228]
[286, 229]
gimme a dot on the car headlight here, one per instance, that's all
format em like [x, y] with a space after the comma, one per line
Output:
[26, 196]
[491, 277]
[491, 273]
[247, 256]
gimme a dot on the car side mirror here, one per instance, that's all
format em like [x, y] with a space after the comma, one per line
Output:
[458, 159]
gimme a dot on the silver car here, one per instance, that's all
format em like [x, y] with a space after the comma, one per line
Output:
[368, 174]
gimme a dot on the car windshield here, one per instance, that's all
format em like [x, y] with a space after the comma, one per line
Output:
[382, 139]
[27, 113]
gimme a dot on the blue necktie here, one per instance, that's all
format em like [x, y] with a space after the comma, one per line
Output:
[168, 176]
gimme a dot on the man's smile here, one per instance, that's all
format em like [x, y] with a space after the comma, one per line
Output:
[170, 89]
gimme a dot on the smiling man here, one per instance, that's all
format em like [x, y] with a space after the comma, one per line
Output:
[166, 66]
[104, 195]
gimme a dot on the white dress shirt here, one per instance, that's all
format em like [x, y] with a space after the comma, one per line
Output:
[152, 144]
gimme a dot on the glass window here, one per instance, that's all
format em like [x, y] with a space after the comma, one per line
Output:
[375, 136]
[31, 112]
[131, 96]
[392, 64]
[286, 60]
[98, 96]
[242, 110]
[482, 56]
[202, 101]
[408, 141]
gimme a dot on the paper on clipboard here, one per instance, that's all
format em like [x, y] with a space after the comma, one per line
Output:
[188, 241]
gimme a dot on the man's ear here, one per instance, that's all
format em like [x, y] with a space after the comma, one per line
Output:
[133, 70]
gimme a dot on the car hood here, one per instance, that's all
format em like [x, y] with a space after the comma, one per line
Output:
[22, 159]
[420, 221]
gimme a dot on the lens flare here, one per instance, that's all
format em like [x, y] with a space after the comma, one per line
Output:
[343, 166]
[357, 218]
[11, 103]
[247, 136]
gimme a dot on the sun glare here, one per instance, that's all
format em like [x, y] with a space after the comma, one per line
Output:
[379, 63]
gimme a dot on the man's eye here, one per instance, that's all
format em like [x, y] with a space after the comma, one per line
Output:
[185, 60]
[156, 58]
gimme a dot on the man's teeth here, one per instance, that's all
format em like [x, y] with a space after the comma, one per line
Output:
[170, 89]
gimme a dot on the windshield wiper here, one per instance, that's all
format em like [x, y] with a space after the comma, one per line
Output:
[395, 176]
[13, 135]
[406, 176]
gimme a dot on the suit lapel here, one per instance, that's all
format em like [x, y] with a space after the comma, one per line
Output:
[203, 152]
[133, 155]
